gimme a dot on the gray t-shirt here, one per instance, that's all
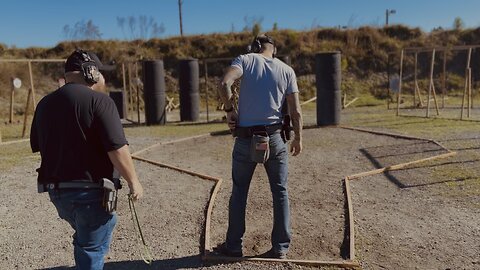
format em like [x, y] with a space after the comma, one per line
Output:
[265, 83]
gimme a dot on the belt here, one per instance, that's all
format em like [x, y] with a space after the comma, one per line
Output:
[66, 185]
[247, 132]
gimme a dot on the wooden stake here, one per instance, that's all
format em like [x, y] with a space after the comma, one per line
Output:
[170, 142]
[31, 85]
[125, 92]
[308, 101]
[350, 218]
[419, 95]
[432, 64]
[415, 81]
[208, 217]
[130, 87]
[12, 101]
[444, 78]
[400, 166]
[434, 92]
[165, 165]
[400, 83]
[344, 99]
[25, 117]
[469, 56]
[138, 92]
[464, 94]
[415, 76]
[351, 102]
[343, 264]
[469, 92]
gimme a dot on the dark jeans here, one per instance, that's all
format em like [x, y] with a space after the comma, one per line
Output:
[242, 171]
[93, 226]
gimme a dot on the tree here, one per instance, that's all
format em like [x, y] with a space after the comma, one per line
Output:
[142, 27]
[458, 23]
[82, 30]
[251, 22]
[256, 29]
[275, 26]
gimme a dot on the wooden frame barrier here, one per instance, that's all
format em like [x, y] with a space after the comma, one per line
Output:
[431, 92]
[350, 263]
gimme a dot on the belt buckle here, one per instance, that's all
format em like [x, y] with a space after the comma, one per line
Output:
[50, 186]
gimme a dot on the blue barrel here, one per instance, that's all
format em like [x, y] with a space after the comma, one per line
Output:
[189, 89]
[154, 92]
[328, 75]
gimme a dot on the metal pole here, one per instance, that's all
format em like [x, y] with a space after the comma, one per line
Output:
[180, 15]
[386, 17]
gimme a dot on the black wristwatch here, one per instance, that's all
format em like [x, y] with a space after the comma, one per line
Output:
[228, 110]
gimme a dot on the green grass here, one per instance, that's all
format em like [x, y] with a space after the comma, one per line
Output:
[10, 132]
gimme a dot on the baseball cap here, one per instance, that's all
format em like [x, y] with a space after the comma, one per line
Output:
[78, 57]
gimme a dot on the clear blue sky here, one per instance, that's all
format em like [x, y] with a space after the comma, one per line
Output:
[28, 23]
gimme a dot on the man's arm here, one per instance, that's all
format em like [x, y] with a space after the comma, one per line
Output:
[297, 122]
[225, 92]
[225, 89]
[122, 160]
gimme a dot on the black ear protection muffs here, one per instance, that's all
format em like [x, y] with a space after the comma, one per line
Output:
[90, 71]
[256, 46]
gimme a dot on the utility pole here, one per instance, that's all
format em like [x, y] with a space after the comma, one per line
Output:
[180, 15]
[387, 13]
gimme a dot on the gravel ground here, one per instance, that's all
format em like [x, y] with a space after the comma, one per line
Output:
[414, 218]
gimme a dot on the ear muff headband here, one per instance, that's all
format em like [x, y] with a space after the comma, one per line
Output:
[256, 46]
[90, 71]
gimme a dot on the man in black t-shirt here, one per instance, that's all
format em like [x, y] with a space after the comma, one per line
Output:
[81, 140]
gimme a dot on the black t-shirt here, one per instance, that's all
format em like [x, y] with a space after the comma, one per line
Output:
[74, 128]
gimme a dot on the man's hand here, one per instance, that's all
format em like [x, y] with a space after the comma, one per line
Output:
[296, 147]
[122, 160]
[136, 190]
[232, 118]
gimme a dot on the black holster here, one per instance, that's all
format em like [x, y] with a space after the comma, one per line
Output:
[110, 193]
[286, 132]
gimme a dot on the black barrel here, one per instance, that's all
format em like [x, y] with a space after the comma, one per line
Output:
[154, 92]
[328, 81]
[189, 84]
[119, 100]
[286, 59]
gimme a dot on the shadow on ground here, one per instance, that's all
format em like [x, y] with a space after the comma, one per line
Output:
[167, 264]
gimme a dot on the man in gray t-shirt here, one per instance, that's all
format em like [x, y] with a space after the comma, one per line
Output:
[266, 84]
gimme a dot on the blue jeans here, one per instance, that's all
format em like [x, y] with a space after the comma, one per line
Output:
[242, 171]
[93, 226]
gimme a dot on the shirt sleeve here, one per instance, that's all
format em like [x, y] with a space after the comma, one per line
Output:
[33, 135]
[292, 86]
[108, 125]
[238, 63]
